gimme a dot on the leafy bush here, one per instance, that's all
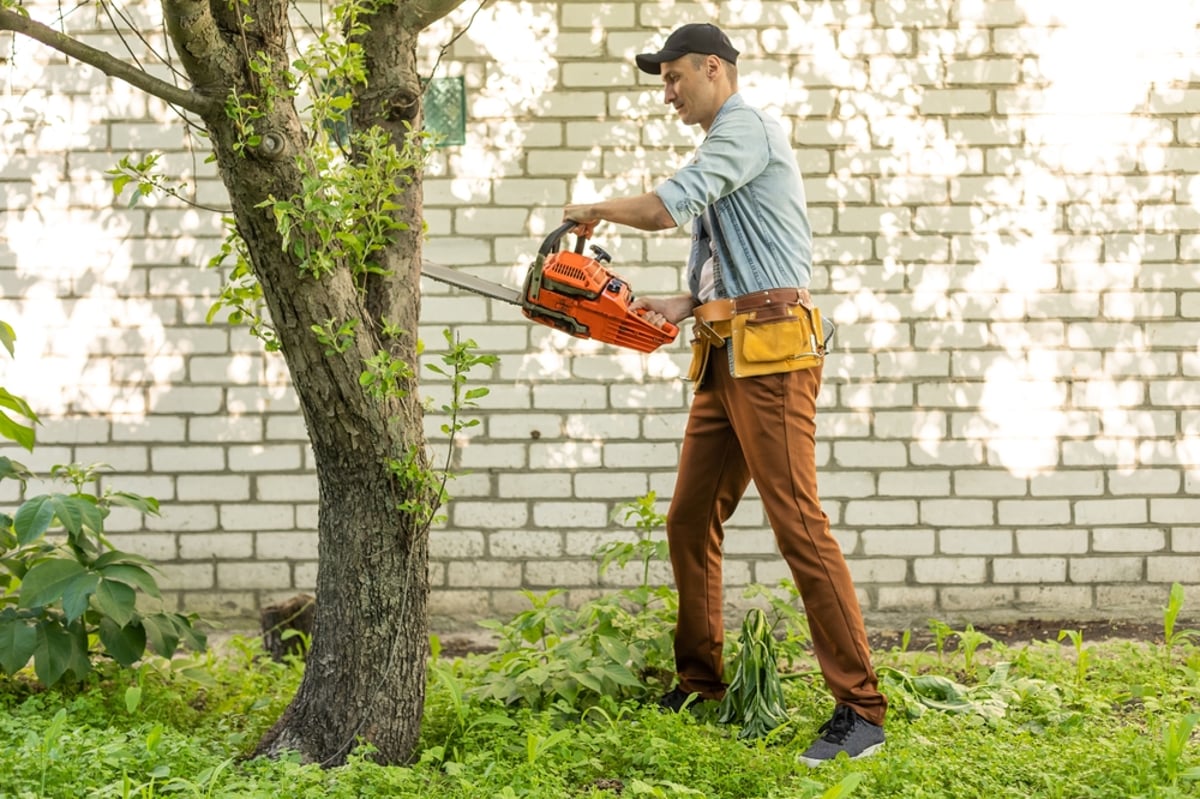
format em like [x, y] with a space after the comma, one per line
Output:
[15, 429]
[66, 594]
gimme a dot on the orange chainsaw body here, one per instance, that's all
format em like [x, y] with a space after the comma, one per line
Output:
[580, 296]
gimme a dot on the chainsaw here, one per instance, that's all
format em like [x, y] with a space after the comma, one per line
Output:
[571, 292]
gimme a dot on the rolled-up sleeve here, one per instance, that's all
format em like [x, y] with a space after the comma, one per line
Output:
[733, 153]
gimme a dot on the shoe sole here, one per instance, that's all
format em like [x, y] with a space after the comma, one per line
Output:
[813, 762]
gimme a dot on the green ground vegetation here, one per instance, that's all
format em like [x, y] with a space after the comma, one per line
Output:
[564, 707]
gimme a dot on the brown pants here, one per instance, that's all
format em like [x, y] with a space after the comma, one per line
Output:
[761, 428]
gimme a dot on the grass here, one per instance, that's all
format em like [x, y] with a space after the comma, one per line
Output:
[1064, 718]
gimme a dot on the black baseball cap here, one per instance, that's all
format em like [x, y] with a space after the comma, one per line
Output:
[696, 37]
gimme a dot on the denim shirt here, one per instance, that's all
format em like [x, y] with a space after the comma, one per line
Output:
[746, 170]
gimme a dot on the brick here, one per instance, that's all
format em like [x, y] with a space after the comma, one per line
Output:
[222, 604]
[987, 541]
[186, 577]
[490, 574]
[1055, 600]
[257, 516]
[265, 458]
[854, 454]
[456, 543]
[257, 575]
[960, 598]
[1112, 511]
[622, 486]
[1107, 570]
[561, 573]
[214, 487]
[939, 512]
[1033, 511]
[1185, 539]
[162, 429]
[914, 599]
[1128, 539]
[1172, 568]
[950, 570]
[1029, 570]
[877, 570]
[157, 547]
[520, 544]
[1052, 541]
[886, 513]
[1174, 511]
[898, 543]
[186, 400]
[1131, 600]
[187, 459]
[453, 605]
[489, 515]
[206, 546]
[184, 518]
[161, 487]
[286, 546]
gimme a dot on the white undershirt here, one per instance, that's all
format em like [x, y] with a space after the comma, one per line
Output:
[708, 277]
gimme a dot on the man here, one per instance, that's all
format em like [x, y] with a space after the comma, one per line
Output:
[751, 240]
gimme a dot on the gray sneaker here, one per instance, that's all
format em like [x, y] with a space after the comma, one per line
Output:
[846, 732]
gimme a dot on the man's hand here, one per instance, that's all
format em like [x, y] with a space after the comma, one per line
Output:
[660, 310]
[585, 215]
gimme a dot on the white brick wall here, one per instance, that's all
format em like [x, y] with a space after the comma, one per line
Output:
[1007, 235]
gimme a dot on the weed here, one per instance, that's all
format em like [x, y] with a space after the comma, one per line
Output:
[1171, 637]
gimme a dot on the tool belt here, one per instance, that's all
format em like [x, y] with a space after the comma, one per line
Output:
[772, 331]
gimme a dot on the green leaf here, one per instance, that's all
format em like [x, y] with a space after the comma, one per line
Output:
[18, 639]
[33, 519]
[133, 698]
[45, 583]
[135, 501]
[132, 575]
[15, 403]
[12, 469]
[7, 337]
[117, 601]
[76, 594]
[117, 556]
[77, 513]
[13, 431]
[161, 633]
[125, 644]
[58, 651]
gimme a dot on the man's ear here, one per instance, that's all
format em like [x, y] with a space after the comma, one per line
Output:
[712, 67]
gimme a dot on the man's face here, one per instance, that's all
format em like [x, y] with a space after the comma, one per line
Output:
[686, 87]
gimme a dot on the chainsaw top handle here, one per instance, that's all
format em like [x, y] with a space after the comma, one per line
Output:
[551, 243]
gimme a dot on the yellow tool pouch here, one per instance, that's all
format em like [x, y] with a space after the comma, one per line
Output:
[776, 337]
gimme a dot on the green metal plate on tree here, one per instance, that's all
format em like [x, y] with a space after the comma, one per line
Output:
[446, 110]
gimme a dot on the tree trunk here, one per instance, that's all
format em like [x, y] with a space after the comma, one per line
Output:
[364, 679]
[365, 674]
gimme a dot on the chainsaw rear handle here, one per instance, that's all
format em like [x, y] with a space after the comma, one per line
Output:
[550, 245]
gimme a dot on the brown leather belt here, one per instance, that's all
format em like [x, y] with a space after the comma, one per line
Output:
[713, 318]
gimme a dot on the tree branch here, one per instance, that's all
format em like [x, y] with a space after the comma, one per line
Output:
[113, 67]
[207, 57]
[420, 14]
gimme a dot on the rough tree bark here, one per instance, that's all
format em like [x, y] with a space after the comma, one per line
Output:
[365, 674]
